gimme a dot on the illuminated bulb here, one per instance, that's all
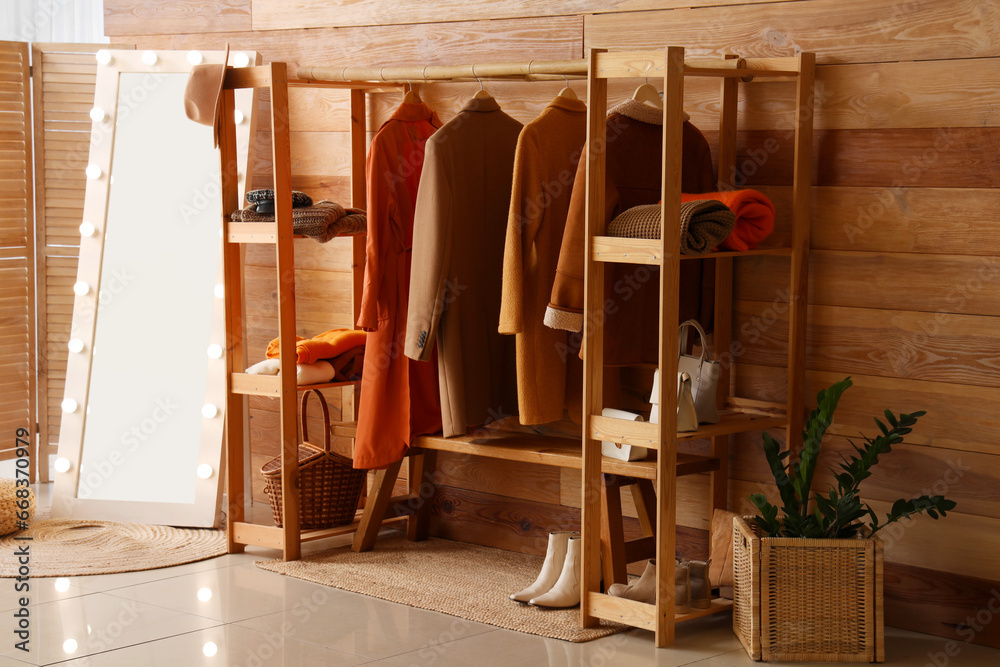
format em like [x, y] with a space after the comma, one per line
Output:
[69, 405]
[204, 594]
[208, 411]
[97, 114]
[209, 649]
[149, 57]
[104, 57]
[62, 464]
[69, 646]
[87, 229]
[214, 351]
[204, 472]
[219, 291]
[93, 172]
[194, 57]
[241, 60]
[62, 584]
[81, 288]
[75, 345]
[238, 116]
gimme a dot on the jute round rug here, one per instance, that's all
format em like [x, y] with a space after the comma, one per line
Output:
[64, 548]
[464, 580]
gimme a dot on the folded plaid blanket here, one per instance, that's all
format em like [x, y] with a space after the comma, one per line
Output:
[704, 224]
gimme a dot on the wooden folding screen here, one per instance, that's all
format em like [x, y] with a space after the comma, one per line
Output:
[17, 294]
[64, 76]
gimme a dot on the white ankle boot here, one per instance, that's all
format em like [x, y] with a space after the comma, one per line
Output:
[555, 556]
[566, 591]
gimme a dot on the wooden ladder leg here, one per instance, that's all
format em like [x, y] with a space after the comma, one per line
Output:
[612, 532]
[421, 486]
[644, 497]
[378, 503]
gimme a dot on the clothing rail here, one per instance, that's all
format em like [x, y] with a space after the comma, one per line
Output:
[539, 69]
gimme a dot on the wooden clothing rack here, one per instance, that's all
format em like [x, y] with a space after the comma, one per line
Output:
[601, 514]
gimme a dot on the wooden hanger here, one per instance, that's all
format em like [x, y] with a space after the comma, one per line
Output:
[411, 96]
[647, 95]
[567, 92]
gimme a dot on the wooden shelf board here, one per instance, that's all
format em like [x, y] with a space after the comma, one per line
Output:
[649, 251]
[642, 615]
[271, 536]
[645, 434]
[270, 385]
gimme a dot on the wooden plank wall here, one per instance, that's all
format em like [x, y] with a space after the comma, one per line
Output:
[17, 294]
[903, 279]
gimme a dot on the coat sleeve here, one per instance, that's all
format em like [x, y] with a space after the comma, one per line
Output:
[565, 309]
[381, 207]
[522, 225]
[431, 255]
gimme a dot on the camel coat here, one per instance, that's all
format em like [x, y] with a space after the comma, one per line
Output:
[633, 177]
[548, 151]
[458, 241]
[399, 397]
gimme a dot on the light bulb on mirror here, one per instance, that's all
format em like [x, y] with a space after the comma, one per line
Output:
[205, 471]
[195, 57]
[241, 60]
[214, 351]
[209, 411]
[75, 345]
[61, 464]
[238, 117]
[69, 405]
[93, 172]
[97, 114]
[104, 57]
[87, 229]
[81, 288]
[149, 57]
[219, 291]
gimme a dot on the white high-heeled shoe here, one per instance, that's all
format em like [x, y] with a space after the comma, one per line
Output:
[566, 591]
[555, 556]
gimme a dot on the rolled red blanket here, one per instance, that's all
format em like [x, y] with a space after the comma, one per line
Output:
[754, 216]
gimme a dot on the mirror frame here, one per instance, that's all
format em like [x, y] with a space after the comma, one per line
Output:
[205, 511]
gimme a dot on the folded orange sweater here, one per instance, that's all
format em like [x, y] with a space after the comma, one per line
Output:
[754, 216]
[326, 345]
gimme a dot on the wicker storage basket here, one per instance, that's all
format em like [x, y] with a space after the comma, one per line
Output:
[329, 486]
[806, 599]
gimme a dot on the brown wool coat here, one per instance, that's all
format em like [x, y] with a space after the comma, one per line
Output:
[548, 151]
[458, 241]
[634, 170]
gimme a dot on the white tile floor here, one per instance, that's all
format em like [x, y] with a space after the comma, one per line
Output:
[226, 612]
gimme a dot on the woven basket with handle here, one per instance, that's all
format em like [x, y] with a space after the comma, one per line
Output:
[329, 486]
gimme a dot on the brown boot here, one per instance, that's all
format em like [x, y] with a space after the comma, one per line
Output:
[682, 586]
[641, 590]
[701, 589]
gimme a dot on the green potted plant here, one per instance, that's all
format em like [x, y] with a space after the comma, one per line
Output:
[808, 575]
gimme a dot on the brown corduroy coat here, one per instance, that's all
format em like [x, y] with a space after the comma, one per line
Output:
[548, 151]
[458, 240]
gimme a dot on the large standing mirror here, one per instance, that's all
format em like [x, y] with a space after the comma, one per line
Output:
[142, 430]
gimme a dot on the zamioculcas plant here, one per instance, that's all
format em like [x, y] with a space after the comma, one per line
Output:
[840, 512]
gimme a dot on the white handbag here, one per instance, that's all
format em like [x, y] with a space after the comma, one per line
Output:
[704, 372]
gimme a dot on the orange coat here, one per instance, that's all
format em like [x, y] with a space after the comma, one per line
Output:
[548, 151]
[399, 397]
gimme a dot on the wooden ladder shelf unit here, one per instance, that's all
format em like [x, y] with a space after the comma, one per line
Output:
[600, 250]
[288, 538]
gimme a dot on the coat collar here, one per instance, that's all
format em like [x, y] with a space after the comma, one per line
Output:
[413, 111]
[568, 104]
[484, 105]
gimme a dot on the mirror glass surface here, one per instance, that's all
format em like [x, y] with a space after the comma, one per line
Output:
[154, 316]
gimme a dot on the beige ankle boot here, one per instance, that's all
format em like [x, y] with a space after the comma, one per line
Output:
[682, 586]
[701, 589]
[555, 556]
[566, 591]
[641, 590]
